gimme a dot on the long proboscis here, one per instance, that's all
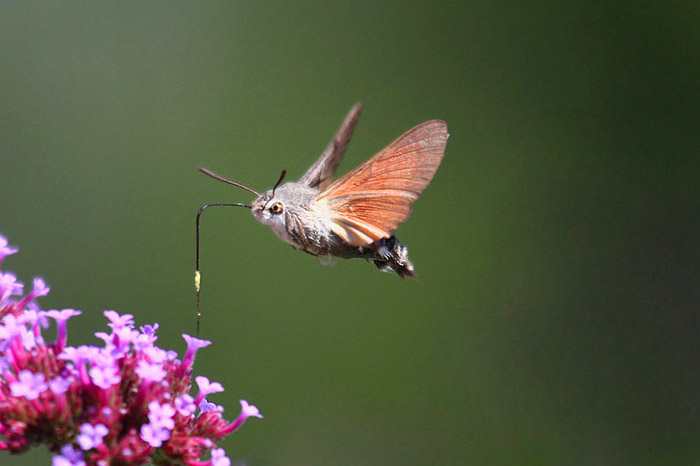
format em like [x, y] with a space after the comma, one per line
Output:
[197, 274]
[226, 180]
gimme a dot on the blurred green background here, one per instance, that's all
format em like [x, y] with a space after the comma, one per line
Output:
[555, 321]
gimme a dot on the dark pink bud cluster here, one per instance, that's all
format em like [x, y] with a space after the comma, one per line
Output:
[126, 401]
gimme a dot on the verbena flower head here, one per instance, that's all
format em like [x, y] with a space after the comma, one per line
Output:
[125, 401]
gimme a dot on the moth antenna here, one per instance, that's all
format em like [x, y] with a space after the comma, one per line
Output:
[226, 180]
[197, 275]
[282, 175]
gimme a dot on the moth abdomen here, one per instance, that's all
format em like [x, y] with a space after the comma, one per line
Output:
[391, 254]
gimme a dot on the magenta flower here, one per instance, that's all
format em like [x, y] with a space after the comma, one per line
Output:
[5, 250]
[59, 385]
[91, 436]
[185, 405]
[219, 458]
[105, 377]
[126, 401]
[207, 407]
[117, 321]
[193, 345]
[206, 388]
[247, 410]
[161, 415]
[61, 317]
[151, 371]
[29, 385]
[40, 289]
[9, 286]
[68, 457]
[154, 435]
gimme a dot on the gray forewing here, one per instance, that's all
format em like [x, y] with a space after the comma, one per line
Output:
[321, 173]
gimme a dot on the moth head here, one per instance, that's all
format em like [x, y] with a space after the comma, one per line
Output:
[269, 209]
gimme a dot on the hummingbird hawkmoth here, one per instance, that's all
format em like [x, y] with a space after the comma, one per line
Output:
[354, 216]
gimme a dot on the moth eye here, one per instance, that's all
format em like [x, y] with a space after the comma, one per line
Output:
[276, 208]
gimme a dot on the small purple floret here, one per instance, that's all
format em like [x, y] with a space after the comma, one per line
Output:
[9, 286]
[154, 436]
[68, 457]
[59, 385]
[5, 250]
[29, 385]
[91, 436]
[9, 327]
[62, 315]
[150, 329]
[247, 410]
[156, 354]
[40, 288]
[185, 405]
[149, 371]
[105, 377]
[61, 318]
[80, 354]
[161, 414]
[206, 387]
[161, 423]
[193, 344]
[219, 458]
[118, 321]
[208, 407]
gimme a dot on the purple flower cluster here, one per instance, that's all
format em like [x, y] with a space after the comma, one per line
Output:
[124, 402]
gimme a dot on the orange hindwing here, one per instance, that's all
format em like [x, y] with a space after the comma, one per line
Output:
[370, 201]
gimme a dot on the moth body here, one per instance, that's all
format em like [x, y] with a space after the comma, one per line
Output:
[292, 215]
[353, 216]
